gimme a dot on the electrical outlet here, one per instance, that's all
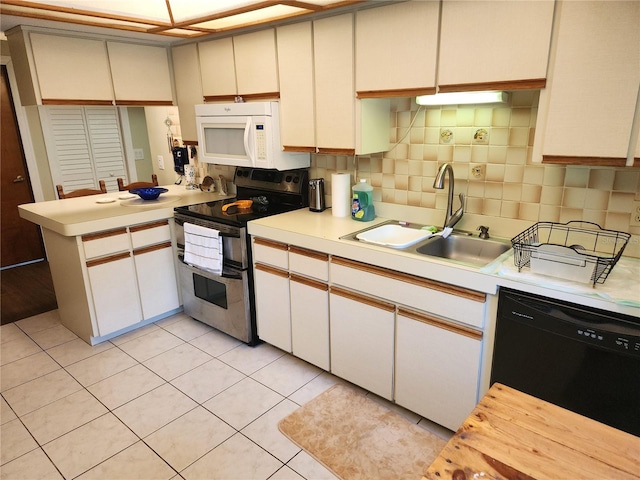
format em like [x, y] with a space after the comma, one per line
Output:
[160, 162]
[635, 215]
[477, 171]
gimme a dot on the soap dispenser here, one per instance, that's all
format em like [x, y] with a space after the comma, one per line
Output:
[362, 208]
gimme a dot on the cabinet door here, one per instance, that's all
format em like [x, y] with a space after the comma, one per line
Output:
[256, 64]
[295, 64]
[217, 69]
[310, 320]
[186, 72]
[140, 74]
[71, 68]
[114, 292]
[437, 368]
[334, 81]
[488, 41]
[156, 274]
[362, 340]
[593, 87]
[396, 49]
[105, 243]
[273, 315]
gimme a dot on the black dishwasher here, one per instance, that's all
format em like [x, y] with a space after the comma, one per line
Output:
[582, 359]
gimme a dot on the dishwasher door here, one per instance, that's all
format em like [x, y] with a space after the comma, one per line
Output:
[582, 359]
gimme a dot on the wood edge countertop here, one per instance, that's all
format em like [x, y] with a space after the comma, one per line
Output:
[512, 435]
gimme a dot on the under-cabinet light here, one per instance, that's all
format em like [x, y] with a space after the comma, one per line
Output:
[463, 98]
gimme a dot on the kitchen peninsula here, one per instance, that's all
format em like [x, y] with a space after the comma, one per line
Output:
[111, 258]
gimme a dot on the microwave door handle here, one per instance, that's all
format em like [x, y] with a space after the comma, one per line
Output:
[247, 146]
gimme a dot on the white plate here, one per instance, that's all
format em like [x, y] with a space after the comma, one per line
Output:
[127, 196]
[106, 200]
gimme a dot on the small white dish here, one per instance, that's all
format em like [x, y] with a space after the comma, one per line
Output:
[106, 200]
[127, 196]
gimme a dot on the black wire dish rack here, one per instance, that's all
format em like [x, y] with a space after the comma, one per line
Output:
[576, 250]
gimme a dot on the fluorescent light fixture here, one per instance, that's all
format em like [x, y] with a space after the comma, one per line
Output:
[463, 98]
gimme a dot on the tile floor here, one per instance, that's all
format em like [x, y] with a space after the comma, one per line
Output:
[174, 399]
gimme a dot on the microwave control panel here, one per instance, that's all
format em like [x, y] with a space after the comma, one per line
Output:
[261, 142]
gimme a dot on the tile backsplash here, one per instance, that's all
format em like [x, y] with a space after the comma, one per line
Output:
[490, 149]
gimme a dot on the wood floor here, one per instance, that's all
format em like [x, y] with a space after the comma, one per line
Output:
[27, 290]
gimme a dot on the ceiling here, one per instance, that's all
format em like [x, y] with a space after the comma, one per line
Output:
[164, 20]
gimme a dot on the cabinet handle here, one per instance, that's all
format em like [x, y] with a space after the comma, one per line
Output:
[440, 323]
[358, 297]
[408, 278]
[152, 248]
[308, 282]
[106, 234]
[270, 244]
[272, 270]
[309, 253]
[147, 226]
[109, 259]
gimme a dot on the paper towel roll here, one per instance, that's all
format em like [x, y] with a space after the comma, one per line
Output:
[341, 194]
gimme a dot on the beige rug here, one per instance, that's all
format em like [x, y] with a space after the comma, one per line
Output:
[356, 438]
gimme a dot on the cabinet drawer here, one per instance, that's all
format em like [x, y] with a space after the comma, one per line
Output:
[105, 243]
[309, 262]
[459, 304]
[271, 253]
[150, 233]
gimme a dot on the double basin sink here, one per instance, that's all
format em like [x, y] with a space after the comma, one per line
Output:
[460, 247]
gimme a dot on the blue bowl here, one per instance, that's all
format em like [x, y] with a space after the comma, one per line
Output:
[148, 193]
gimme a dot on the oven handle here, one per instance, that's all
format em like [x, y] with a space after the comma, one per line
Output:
[232, 273]
[181, 222]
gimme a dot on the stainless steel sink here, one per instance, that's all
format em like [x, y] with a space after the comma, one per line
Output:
[466, 249]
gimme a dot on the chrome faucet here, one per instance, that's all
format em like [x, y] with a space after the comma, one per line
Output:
[450, 218]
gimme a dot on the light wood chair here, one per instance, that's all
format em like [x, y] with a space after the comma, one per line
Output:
[153, 183]
[82, 192]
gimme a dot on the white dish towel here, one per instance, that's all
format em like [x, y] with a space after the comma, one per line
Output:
[203, 247]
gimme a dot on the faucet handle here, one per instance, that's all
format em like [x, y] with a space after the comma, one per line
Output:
[484, 231]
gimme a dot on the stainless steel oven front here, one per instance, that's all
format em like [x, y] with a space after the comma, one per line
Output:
[222, 301]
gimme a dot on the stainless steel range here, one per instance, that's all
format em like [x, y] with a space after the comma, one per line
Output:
[223, 296]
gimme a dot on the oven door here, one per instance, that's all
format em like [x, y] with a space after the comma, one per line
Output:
[221, 301]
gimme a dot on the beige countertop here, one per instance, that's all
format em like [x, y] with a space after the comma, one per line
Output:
[82, 215]
[322, 232]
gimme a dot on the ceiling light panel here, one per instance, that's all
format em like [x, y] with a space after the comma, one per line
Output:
[185, 10]
[151, 10]
[251, 18]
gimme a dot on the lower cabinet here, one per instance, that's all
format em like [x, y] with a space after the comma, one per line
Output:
[273, 313]
[362, 333]
[158, 287]
[437, 367]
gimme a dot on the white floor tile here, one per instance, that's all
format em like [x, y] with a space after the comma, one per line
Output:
[310, 468]
[138, 462]
[237, 458]
[15, 441]
[133, 334]
[98, 367]
[91, 444]
[16, 349]
[264, 431]
[33, 466]
[286, 374]
[53, 336]
[285, 473]
[26, 369]
[154, 409]
[189, 437]
[42, 391]
[76, 351]
[207, 380]
[242, 403]
[251, 359]
[147, 346]
[125, 386]
[10, 332]
[188, 328]
[6, 414]
[39, 322]
[62, 416]
[215, 343]
[177, 361]
[314, 388]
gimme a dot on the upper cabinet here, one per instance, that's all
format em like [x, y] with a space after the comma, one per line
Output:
[489, 44]
[188, 89]
[396, 49]
[140, 74]
[244, 65]
[55, 69]
[587, 110]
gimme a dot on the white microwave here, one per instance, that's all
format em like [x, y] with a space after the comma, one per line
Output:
[244, 135]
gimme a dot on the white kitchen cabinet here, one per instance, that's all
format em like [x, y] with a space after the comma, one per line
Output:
[489, 44]
[362, 340]
[273, 306]
[141, 74]
[396, 49]
[586, 112]
[218, 69]
[344, 125]
[57, 69]
[186, 72]
[295, 68]
[437, 367]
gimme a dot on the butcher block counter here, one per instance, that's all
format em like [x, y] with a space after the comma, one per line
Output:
[511, 435]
